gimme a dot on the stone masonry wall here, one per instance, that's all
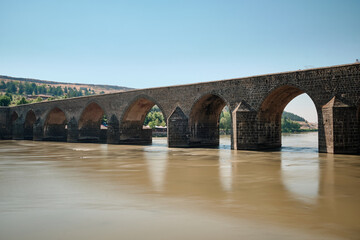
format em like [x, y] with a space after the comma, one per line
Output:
[249, 132]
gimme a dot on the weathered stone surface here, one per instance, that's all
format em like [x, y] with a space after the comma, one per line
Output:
[178, 129]
[245, 127]
[5, 123]
[113, 133]
[72, 130]
[256, 104]
[341, 127]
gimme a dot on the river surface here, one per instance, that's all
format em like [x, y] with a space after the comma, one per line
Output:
[51, 190]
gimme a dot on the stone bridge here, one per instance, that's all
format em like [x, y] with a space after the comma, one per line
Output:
[192, 112]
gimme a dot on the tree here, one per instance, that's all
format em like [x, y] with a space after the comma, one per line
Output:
[22, 101]
[292, 116]
[28, 88]
[289, 126]
[42, 89]
[21, 88]
[9, 95]
[38, 99]
[5, 100]
[104, 120]
[58, 91]
[34, 88]
[2, 85]
[225, 121]
[11, 87]
[155, 118]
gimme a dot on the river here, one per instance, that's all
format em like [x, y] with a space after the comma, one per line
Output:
[52, 190]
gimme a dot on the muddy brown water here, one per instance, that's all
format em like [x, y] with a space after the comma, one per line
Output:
[51, 190]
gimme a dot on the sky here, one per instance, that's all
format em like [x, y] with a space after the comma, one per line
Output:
[144, 44]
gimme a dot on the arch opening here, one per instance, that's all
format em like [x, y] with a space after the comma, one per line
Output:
[142, 118]
[55, 127]
[90, 129]
[225, 128]
[204, 121]
[29, 125]
[276, 125]
[156, 121]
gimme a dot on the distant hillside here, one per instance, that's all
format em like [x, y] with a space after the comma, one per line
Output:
[293, 117]
[291, 122]
[97, 88]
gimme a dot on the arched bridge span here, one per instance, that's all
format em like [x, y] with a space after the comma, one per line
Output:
[192, 112]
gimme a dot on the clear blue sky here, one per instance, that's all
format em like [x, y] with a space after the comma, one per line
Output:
[156, 43]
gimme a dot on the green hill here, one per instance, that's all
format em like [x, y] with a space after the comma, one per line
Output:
[292, 117]
[27, 90]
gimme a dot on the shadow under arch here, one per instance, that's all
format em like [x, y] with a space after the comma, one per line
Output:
[270, 112]
[55, 126]
[90, 124]
[30, 119]
[131, 124]
[204, 120]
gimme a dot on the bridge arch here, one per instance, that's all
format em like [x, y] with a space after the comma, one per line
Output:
[270, 112]
[90, 124]
[55, 125]
[204, 120]
[30, 119]
[132, 119]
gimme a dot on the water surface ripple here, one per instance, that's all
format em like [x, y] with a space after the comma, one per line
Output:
[55, 190]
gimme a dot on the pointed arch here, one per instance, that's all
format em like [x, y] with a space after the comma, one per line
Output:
[204, 120]
[30, 119]
[90, 123]
[55, 125]
[275, 102]
[132, 120]
[139, 107]
[270, 112]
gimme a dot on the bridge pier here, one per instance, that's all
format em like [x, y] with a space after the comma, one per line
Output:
[113, 131]
[29, 132]
[18, 129]
[72, 130]
[252, 133]
[38, 130]
[5, 123]
[339, 129]
[55, 132]
[245, 127]
[134, 133]
[178, 130]
[90, 132]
